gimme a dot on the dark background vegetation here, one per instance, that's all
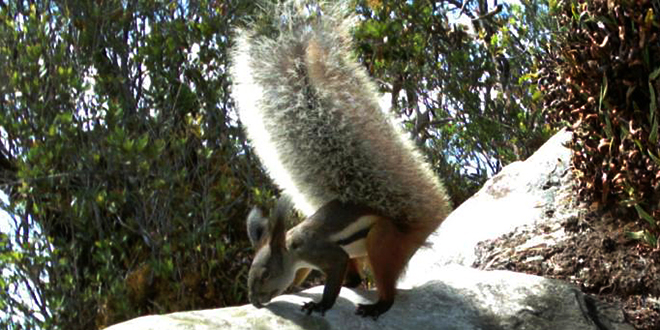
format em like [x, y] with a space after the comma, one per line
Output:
[127, 173]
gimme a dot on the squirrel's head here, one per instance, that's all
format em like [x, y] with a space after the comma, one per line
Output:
[272, 269]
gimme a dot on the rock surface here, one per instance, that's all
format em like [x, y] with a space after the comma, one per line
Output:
[460, 298]
[439, 291]
[520, 195]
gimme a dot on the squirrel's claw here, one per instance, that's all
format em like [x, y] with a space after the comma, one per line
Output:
[312, 306]
[373, 310]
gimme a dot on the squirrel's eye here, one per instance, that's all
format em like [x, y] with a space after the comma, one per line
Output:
[265, 275]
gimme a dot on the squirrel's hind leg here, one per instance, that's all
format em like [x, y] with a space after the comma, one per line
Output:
[389, 250]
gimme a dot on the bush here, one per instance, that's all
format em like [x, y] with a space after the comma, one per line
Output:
[603, 81]
[127, 177]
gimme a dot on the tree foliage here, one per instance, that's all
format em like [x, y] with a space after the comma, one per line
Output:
[124, 166]
[465, 89]
[126, 171]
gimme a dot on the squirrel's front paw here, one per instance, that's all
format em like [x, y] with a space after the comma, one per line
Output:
[312, 306]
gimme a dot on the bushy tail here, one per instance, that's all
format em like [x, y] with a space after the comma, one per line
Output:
[314, 119]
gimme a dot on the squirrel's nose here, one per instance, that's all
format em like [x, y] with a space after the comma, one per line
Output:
[255, 301]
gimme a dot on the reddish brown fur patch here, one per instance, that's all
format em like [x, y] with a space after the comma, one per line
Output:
[389, 250]
[316, 59]
[355, 265]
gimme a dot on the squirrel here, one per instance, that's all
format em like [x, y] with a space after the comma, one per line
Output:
[312, 115]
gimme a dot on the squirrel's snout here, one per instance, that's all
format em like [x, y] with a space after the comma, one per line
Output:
[255, 301]
[258, 300]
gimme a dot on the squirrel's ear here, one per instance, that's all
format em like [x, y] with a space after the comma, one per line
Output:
[257, 226]
[279, 216]
[260, 228]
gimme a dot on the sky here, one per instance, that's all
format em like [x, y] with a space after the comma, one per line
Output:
[7, 227]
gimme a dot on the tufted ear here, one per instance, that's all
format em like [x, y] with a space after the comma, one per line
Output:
[257, 226]
[261, 228]
[279, 216]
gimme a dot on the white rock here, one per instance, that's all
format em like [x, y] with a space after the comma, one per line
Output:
[439, 291]
[461, 298]
[512, 198]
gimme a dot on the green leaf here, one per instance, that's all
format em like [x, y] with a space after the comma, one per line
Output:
[142, 142]
[655, 158]
[653, 136]
[128, 145]
[66, 117]
[603, 92]
[642, 214]
[644, 236]
[527, 77]
[649, 18]
[653, 105]
[654, 74]
[608, 127]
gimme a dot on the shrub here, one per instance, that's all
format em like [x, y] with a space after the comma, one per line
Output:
[603, 81]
